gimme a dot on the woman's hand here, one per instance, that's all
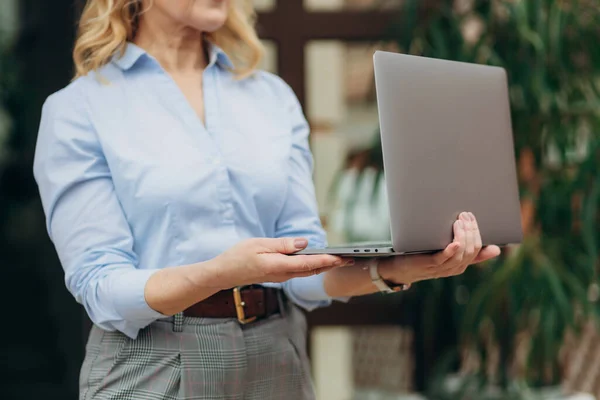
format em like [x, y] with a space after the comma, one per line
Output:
[266, 260]
[466, 249]
[171, 290]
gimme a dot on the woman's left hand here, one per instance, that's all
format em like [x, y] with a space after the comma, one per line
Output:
[465, 250]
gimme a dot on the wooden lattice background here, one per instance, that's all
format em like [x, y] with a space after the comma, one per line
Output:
[582, 367]
[383, 358]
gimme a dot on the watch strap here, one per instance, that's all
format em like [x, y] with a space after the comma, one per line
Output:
[380, 283]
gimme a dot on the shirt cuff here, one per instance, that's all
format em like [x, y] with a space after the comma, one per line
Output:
[130, 302]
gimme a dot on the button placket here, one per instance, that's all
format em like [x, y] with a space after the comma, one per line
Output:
[213, 121]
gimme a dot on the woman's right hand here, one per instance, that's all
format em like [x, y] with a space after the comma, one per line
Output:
[465, 250]
[261, 260]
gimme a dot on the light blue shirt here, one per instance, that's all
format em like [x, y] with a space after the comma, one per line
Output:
[132, 181]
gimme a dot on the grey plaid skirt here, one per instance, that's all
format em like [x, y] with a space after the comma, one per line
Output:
[201, 358]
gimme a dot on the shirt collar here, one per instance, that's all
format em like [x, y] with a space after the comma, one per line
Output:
[129, 57]
[218, 55]
[133, 53]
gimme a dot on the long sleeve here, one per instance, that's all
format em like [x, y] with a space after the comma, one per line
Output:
[300, 217]
[85, 220]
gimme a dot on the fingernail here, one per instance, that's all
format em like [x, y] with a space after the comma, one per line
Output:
[337, 263]
[300, 243]
[350, 262]
[471, 217]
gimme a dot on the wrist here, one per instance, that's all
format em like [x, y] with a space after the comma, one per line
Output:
[392, 273]
[390, 285]
[387, 272]
[172, 290]
[347, 282]
[210, 274]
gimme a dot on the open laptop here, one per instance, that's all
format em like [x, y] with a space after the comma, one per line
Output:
[447, 147]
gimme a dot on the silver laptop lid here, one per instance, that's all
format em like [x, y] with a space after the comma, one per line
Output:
[447, 147]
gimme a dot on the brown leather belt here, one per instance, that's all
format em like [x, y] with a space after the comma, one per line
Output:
[246, 303]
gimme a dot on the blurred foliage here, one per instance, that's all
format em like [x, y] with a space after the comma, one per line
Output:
[520, 308]
[511, 316]
[7, 81]
[42, 354]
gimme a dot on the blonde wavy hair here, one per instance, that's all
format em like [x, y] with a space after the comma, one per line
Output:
[106, 26]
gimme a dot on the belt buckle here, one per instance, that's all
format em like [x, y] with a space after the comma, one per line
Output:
[239, 306]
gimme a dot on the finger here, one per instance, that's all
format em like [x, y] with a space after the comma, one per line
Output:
[435, 260]
[456, 248]
[443, 256]
[348, 261]
[477, 234]
[458, 264]
[456, 230]
[282, 245]
[454, 263]
[305, 263]
[469, 239]
[487, 253]
[309, 273]
[460, 239]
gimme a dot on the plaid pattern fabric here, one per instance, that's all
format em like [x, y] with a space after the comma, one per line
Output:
[201, 358]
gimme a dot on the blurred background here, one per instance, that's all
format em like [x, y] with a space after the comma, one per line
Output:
[522, 327]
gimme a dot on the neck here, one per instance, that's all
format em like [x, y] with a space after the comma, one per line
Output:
[177, 48]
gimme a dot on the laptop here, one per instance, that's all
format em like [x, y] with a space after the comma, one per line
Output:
[447, 148]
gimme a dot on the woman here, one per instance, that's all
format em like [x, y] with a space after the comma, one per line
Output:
[170, 150]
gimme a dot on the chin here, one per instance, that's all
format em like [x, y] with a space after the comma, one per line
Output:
[210, 19]
[211, 25]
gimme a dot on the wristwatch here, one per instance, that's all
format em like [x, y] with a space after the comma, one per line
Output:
[381, 284]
